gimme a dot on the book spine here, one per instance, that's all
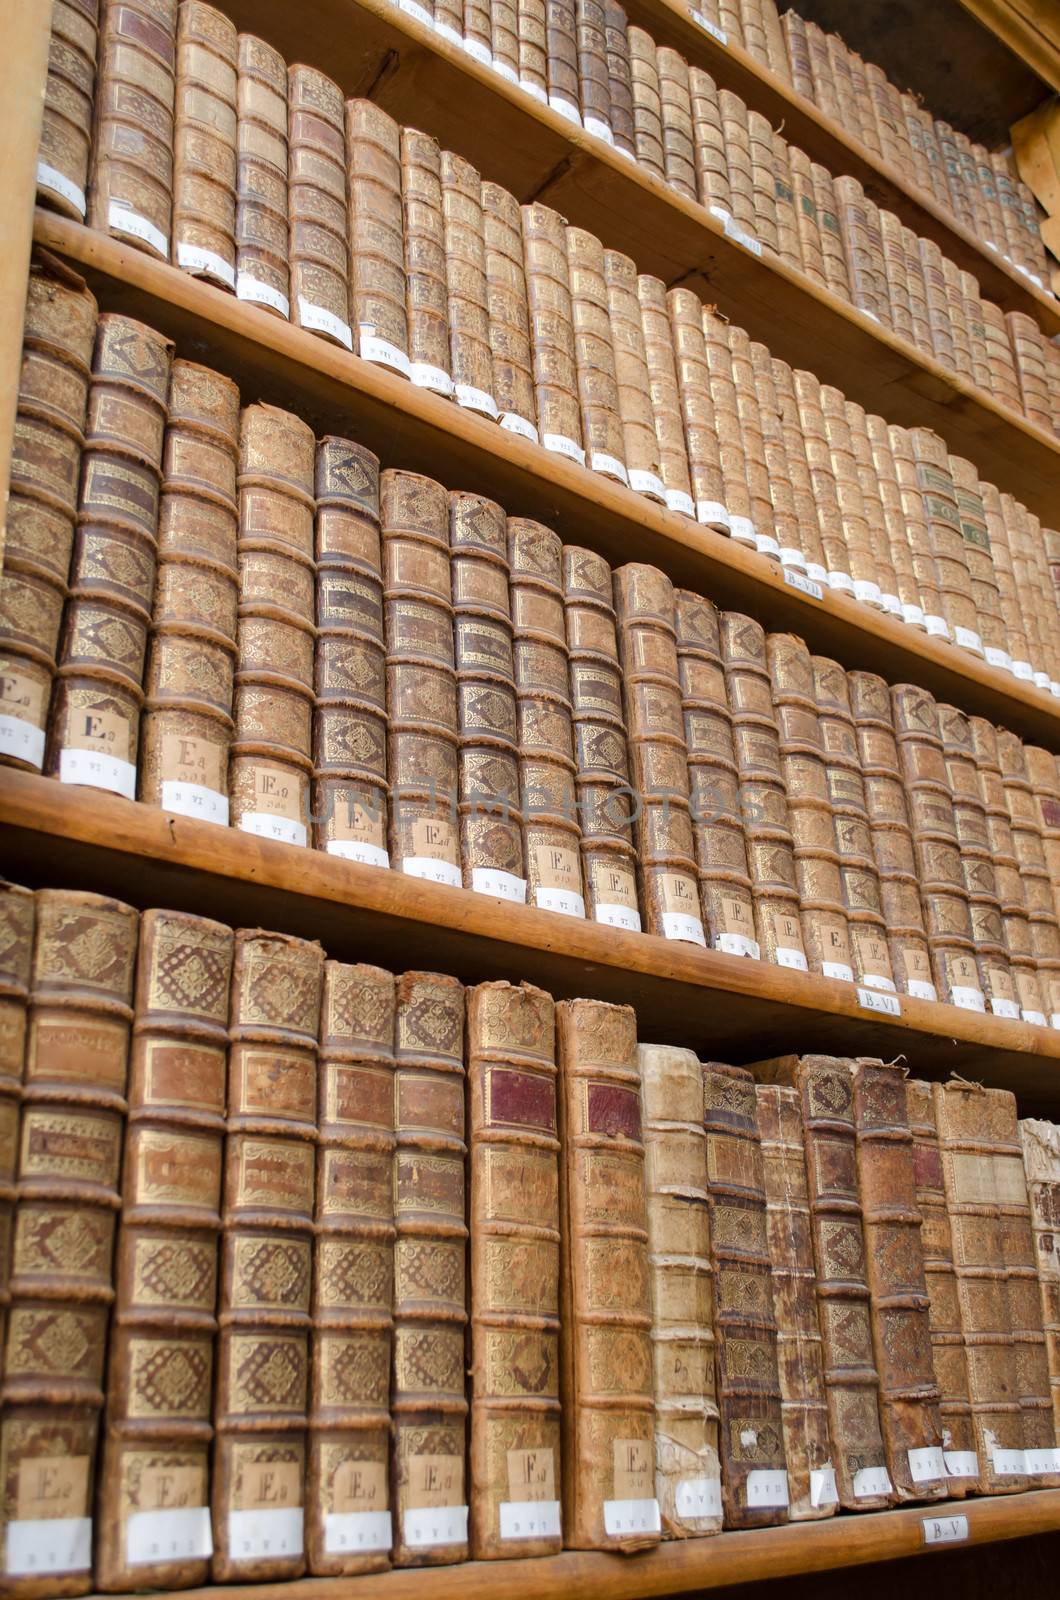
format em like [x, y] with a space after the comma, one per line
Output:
[65, 148]
[421, 693]
[477, 31]
[738, 157]
[880, 459]
[270, 765]
[896, 276]
[754, 1475]
[552, 330]
[666, 402]
[708, 143]
[640, 445]
[96, 708]
[800, 1360]
[620, 77]
[789, 244]
[750, 418]
[17, 918]
[811, 242]
[533, 51]
[262, 168]
[802, 489]
[349, 720]
[429, 1409]
[836, 556]
[707, 484]
[561, 43]
[154, 1494]
[1041, 1162]
[783, 511]
[504, 38]
[594, 355]
[58, 336]
[1045, 782]
[189, 682]
[911, 501]
[725, 398]
[62, 1284]
[863, 248]
[378, 291]
[605, 1330]
[465, 265]
[1029, 847]
[762, 151]
[205, 148]
[509, 314]
[798, 53]
[131, 177]
[675, 113]
[882, 555]
[836, 273]
[594, 84]
[349, 1527]
[319, 206]
[261, 1392]
[1007, 877]
[514, 1156]
[426, 287]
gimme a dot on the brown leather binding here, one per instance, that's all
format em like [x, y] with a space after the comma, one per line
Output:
[465, 270]
[1041, 1162]
[66, 132]
[426, 290]
[319, 206]
[377, 243]
[594, 353]
[17, 917]
[204, 154]
[131, 176]
[262, 271]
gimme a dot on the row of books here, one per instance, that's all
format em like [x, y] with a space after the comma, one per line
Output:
[309, 1267]
[236, 622]
[210, 152]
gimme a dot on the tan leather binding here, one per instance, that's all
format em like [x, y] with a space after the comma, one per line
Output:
[506, 302]
[69, 95]
[17, 917]
[262, 272]
[1029, 846]
[1041, 1162]
[465, 271]
[426, 288]
[318, 204]
[551, 323]
[377, 246]
[204, 151]
[619, 73]
[594, 354]
[562, 46]
[132, 157]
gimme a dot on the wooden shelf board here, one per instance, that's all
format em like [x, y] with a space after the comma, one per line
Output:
[338, 393]
[372, 49]
[686, 1565]
[725, 1007]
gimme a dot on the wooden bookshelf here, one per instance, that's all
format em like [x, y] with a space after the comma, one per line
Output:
[337, 392]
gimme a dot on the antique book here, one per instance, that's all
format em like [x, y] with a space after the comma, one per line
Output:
[796, 450]
[514, 1464]
[815, 429]
[666, 403]
[490, 821]
[909, 1392]
[262, 1356]
[154, 1493]
[738, 154]
[640, 444]
[594, 356]
[533, 54]
[66, 132]
[708, 145]
[760, 509]
[687, 1470]
[429, 1482]
[602, 777]
[348, 1528]
[96, 712]
[893, 454]
[561, 45]
[509, 314]
[548, 294]
[1044, 777]
[191, 658]
[58, 336]
[1041, 1163]
[551, 830]
[17, 918]
[377, 240]
[735, 497]
[426, 285]
[620, 77]
[421, 697]
[594, 79]
[130, 190]
[986, 593]
[703, 442]
[206, 140]
[763, 179]
[1028, 844]
[504, 38]
[651, 687]
[800, 1358]
[349, 719]
[270, 764]
[62, 1284]
[605, 1327]
[785, 513]
[944, 529]
[753, 1465]
[470, 355]
[262, 223]
[675, 117]
[477, 31]
[318, 206]
[647, 101]
[855, 462]
[835, 267]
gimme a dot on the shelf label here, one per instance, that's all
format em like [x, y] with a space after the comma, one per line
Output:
[478, 51]
[565, 901]
[267, 825]
[698, 1497]
[767, 1488]
[1039, 1461]
[713, 513]
[787, 956]
[766, 545]
[968, 640]
[867, 592]
[919, 990]
[266, 1533]
[530, 1519]
[647, 483]
[878, 1000]
[427, 1525]
[891, 604]
[937, 627]
[565, 108]
[381, 351]
[1008, 1463]
[709, 27]
[357, 1530]
[599, 129]
[838, 969]
[631, 1516]
[507, 72]
[59, 183]
[180, 1534]
[790, 557]
[841, 581]
[98, 771]
[945, 1530]
[1005, 1008]
[823, 1491]
[447, 31]
[678, 925]
[998, 658]
[743, 529]
[914, 615]
[615, 916]
[1023, 671]
[412, 8]
[262, 294]
[871, 1481]
[926, 1464]
[505, 885]
[48, 1544]
[513, 423]
[967, 998]
[798, 580]
[680, 500]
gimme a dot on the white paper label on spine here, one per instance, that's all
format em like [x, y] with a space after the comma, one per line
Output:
[743, 528]
[647, 483]
[382, 352]
[738, 944]
[182, 1534]
[505, 70]
[870, 1481]
[678, 500]
[610, 466]
[698, 1497]
[434, 871]
[678, 925]
[720, 214]
[967, 998]
[786, 957]
[891, 604]
[869, 592]
[1008, 1463]
[560, 445]
[447, 31]
[926, 1464]
[919, 990]
[613, 916]
[505, 885]
[710, 27]
[480, 52]
[998, 658]
[740, 236]
[804, 584]
[1036, 1018]
[192, 259]
[20, 738]
[961, 1463]
[565, 901]
[266, 1533]
[98, 771]
[427, 1525]
[815, 571]
[530, 1519]
[351, 1531]
[790, 557]
[59, 183]
[473, 399]
[421, 14]
[945, 1530]
[1039, 1461]
[1054, 1019]
[533, 88]
[766, 545]
[968, 640]
[914, 615]
[262, 294]
[516, 424]
[369, 855]
[122, 220]
[424, 376]
[49, 1544]
[600, 130]
[876, 980]
[565, 109]
[1041, 680]
[1023, 670]
[268, 826]
[323, 321]
[631, 1516]
[195, 800]
[767, 1488]
[838, 969]
[875, 1000]
[822, 1486]
[1005, 1008]
[1054, 688]
[937, 627]
[842, 581]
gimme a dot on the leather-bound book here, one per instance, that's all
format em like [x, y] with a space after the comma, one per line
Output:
[738, 154]
[620, 78]
[17, 917]
[594, 78]
[154, 1494]
[734, 514]
[892, 447]
[798, 49]
[271, 761]
[347, 1482]
[605, 1327]
[504, 38]
[802, 489]
[465, 267]
[262, 1385]
[62, 1284]
[675, 116]
[896, 278]
[377, 246]
[66, 132]
[935, 482]
[515, 1243]
[602, 778]
[975, 532]
[659, 351]
[205, 151]
[318, 206]
[509, 315]
[863, 249]
[191, 658]
[421, 694]
[548, 294]
[885, 559]
[640, 444]
[1044, 777]
[763, 796]
[800, 1358]
[789, 244]
[533, 54]
[894, 1258]
[429, 1482]
[130, 192]
[836, 274]
[687, 1470]
[651, 687]
[58, 335]
[806, 218]
[349, 720]
[262, 222]
[561, 44]
[1041, 1163]
[594, 354]
[717, 825]
[426, 286]
[1028, 844]
[750, 418]
[709, 145]
[879, 468]
[1017, 647]
[785, 513]
[477, 31]
[763, 179]
[449, 20]
[96, 711]
[837, 559]
[753, 1465]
